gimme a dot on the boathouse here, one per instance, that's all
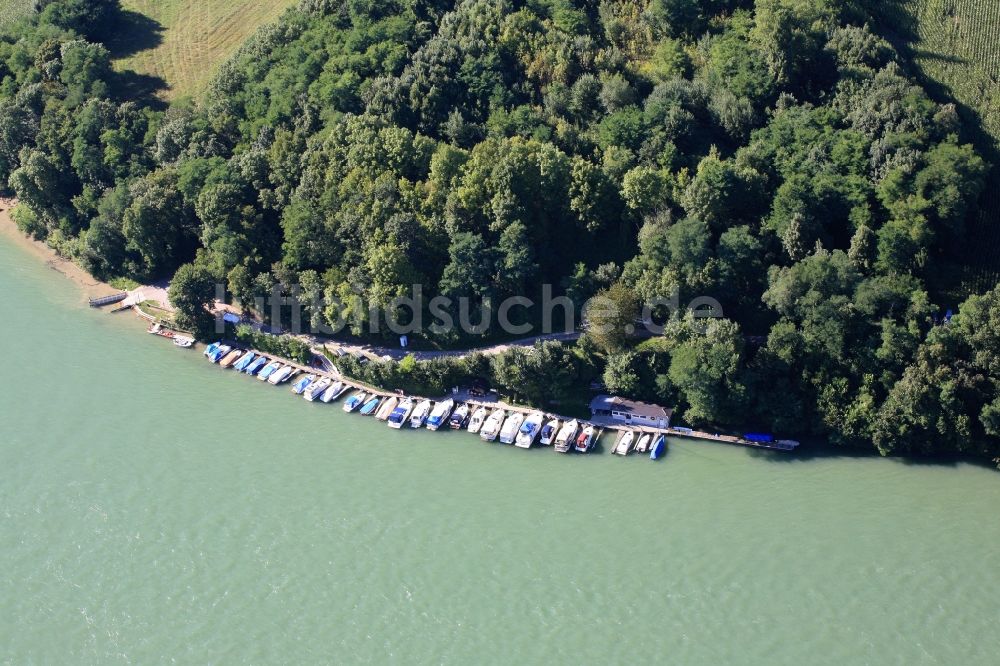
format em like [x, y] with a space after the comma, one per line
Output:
[630, 412]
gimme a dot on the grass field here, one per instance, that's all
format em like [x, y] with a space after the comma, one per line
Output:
[11, 10]
[954, 45]
[183, 41]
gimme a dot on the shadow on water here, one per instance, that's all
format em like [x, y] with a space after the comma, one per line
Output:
[819, 451]
[132, 33]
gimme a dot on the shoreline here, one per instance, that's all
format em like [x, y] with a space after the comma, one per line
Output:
[88, 285]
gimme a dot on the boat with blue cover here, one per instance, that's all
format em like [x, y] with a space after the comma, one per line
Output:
[254, 368]
[268, 370]
[399, 415]
[212, 348]
[370, 406]
[299, 387]
[529, 430]
[220, 351]
[244, 361]
[355, 401]
[659, 446]
[439, 415]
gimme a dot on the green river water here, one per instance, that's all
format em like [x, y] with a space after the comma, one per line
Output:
[157, 509]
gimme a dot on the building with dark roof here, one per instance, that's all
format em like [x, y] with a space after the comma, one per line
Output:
[631, 412]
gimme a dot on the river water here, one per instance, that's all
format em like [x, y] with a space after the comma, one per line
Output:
[158, 509]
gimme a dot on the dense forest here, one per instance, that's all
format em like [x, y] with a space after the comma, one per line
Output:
[775, 155]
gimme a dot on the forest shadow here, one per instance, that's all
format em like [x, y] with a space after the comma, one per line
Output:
[141, 88]
[133, 33]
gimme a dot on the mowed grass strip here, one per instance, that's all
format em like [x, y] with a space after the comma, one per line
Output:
[196, 35]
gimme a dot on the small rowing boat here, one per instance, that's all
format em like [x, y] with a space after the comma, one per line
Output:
[386, 409]
[230, 358]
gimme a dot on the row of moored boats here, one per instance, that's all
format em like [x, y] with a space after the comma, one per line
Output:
[509, 426]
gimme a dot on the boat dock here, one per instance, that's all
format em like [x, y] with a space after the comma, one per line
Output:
[601, 426]
[101, 301]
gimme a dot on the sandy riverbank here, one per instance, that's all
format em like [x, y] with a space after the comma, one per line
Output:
[89, 285]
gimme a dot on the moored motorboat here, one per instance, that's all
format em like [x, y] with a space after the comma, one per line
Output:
[477, 419]
[659, 446]
[420, 413]
[280, 375]
[399, 415]
[386, 408]
[529, 430]
[642, 446]
[299, 387]
[355, 401]
[510, 427]
[268, 370]
[212, 348]
[230, 358]
[625, 443]
[549, 432]
[333, 392]
[255, 367]
[370, 406]
[459, 417]
[567, 436]
[183, 341]
[317, 388]
[491, 427]
[219, 353]
[244, 361]
[439, 415]
[585, 440]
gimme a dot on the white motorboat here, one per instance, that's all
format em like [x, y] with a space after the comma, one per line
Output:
[459, 416]
[439, 415]
[642, 446]
[183, 341]
[625, 443]
[317, 389]
[585, 440]
[477, 420]
[510, 427]
[549, 432]
[334, 391]
[567, 436]
[491, 427]
[399, 415]
[420, 413]
[280, 375]
[529, 431]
